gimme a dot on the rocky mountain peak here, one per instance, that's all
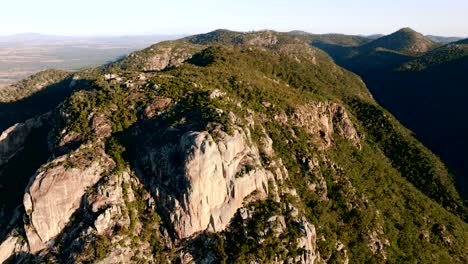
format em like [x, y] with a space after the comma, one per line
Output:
[225, 148]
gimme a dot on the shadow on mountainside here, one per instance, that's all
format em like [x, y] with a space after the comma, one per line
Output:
[35, 104]
[432, 103]
[16, 173]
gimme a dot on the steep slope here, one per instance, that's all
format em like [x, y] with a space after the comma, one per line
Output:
[426, 91]
[254, 147]
[381, 54]
[31, 85]
[427, 94]
[38, 94]
[446, 54]
[405, 40]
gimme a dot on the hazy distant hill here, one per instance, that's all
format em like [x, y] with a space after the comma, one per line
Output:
[31, 37]
[443, 39]
[383, 53]
[374, 36]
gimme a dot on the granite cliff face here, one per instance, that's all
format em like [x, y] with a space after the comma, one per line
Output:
[56, 191]
[214, 180]
[219, 148]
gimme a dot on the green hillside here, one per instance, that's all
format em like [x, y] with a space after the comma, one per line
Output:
[369, 189]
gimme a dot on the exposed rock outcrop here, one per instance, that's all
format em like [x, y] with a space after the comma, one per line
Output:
[167, 57]
[56, 190]
[212, 184]
[158, 104]
[266, 39]
[13, 139]
[7, 248]
[307, 242]
[160, 56]
[322, 119]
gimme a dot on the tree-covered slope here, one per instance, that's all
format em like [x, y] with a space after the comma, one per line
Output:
[405, 40]
[425, 91]
[247, 148]
[333, 39]
[381, 54]
[446, 54]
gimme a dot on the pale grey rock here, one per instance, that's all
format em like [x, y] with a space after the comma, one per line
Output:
[56, 190]
[376, 238]
[281, 117]
[213, 190]
[307, 243]
[340, 247]
[320, 185]
[105, 220]
[186, 258]
[13, 138]
[268, 38]
[162, 56]
[7, 248]
[67, 138]
[109, 196]
[216, 93]
[110, 76]
[266, 144]
[110, 192]
[323, 119]
[101, 126]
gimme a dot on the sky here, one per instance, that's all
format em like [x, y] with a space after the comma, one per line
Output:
[140, 17]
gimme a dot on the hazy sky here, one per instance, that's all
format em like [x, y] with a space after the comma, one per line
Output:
[117, 17]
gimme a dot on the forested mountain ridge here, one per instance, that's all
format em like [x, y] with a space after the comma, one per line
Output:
[224, 147]
[426, 91]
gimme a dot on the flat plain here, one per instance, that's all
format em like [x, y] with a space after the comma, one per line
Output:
[25, 54]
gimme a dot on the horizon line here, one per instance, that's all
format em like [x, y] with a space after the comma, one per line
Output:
[204, 32]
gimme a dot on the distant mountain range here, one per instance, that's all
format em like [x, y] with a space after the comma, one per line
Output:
[31, 37]
[421, 80]
[443, 39]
